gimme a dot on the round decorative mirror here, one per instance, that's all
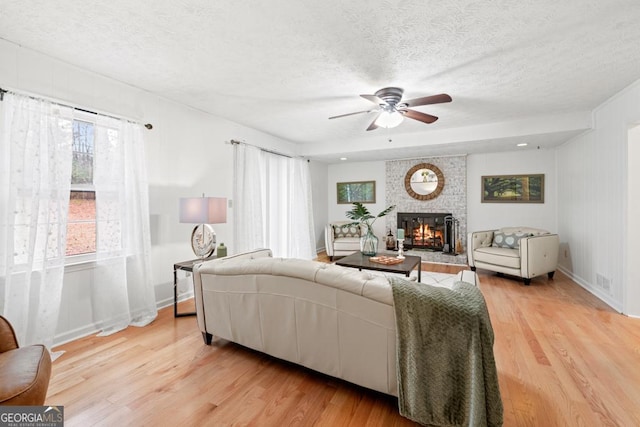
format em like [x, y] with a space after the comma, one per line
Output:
[424, 181]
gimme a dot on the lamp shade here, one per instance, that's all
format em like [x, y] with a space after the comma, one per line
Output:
[203, 210]
[389, 119]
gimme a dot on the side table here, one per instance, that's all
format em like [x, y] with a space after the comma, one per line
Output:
[184, 266]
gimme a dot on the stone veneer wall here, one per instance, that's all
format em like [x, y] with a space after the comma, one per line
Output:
[453, 199]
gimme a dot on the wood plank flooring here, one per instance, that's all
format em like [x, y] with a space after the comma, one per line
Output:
[564, 358]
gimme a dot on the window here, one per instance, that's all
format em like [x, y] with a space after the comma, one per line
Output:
[81, 226]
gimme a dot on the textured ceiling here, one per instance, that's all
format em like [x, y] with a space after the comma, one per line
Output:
[284, 67]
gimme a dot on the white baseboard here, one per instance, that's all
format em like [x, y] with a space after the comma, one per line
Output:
[75, 334]
[169, 301]
[91, 329]
[593, 290]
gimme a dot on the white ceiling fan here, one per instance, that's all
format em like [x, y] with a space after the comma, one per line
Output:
[391, 111]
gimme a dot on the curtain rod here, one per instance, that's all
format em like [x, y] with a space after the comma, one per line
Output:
[62, 104]
[234, 142]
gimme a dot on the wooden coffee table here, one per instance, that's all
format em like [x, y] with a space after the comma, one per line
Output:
[362, 262]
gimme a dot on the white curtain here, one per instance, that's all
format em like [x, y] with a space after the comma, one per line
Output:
[273, 206]
[122, 291]
[35, 174]
[36, 138]
[303, 238]
[248, 189]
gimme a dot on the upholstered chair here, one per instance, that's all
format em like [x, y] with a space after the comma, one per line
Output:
[342, 238]
[518, 251]
[24, 371]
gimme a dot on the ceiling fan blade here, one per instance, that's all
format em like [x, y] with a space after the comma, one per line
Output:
[433, 99]
[374, 99]
[373, 124]
[417, 115]
[351, 114]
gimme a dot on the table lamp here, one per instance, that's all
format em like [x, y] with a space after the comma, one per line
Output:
[203, 211]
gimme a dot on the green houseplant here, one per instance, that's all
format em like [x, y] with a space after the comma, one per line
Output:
[361, 215]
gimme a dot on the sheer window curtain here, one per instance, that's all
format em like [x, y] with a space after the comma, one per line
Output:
[35, 154]
[36, 138]
[248, 190]
[273, 206]
[122, 292]
[303, 238]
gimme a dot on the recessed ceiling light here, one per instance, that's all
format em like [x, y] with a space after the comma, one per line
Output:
[522, 144]
[343, 158]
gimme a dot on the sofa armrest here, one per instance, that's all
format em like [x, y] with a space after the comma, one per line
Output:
[539, 255]
[197, 280]
[8, 339]
[478, 239]
[328, 239]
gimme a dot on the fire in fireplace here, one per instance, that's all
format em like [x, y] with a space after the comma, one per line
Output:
[422, 235]
[428, 231]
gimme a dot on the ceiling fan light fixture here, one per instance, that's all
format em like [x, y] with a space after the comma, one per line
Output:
[390, 111]
[389, 119]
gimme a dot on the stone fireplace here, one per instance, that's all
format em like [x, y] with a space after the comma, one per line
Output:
[445, 215]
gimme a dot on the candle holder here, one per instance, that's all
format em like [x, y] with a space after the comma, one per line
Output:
[400, 249]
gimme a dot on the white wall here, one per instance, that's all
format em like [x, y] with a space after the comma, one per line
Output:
[480, 216]
[186, 156]
[319, 177]
[363, 171]
[594, 223]
[631, 291]
[489, 216]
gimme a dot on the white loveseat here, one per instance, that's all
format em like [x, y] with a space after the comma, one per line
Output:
[335, 320]
[519, 251]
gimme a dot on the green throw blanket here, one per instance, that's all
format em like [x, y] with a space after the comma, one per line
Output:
[446, 370]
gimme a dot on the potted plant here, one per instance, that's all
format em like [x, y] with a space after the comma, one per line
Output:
[361, 215]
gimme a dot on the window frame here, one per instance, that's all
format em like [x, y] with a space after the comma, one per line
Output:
[89, 257]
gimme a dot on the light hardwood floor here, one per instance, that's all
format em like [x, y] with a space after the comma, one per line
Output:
[564, 358]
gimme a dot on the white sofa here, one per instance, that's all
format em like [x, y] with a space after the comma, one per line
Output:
[342, 238]
[335, 320]
[518, 251]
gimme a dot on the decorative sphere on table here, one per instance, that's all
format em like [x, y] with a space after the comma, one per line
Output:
[203, 240]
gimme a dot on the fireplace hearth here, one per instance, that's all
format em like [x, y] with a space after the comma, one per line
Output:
[428, 231]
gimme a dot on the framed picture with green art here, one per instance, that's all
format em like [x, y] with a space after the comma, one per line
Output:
[360, 191]
[513, 189]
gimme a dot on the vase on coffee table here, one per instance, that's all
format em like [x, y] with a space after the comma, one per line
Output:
[369, 244]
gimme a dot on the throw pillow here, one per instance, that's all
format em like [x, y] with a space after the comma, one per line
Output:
[508, 240]
[347, 230]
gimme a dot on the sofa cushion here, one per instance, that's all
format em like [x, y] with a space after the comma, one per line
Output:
[346, 230]
[506, 257]
[508, 240]
[347, 244]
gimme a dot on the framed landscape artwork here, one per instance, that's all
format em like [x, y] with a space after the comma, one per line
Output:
[513, 189]
[361, 191]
